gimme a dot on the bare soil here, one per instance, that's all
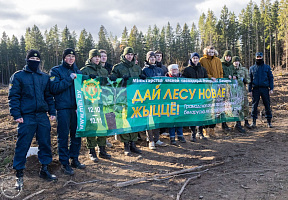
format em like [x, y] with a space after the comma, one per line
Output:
[254, 164]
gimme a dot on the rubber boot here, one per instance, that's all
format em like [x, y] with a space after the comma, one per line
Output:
[134, 149]
[45, 174]
[247, 125]
[93, 155]
[225, 127]
[269, 123]
[127, 151]
[103, 153]
[19, 180]
[254, 123]
[239, 128]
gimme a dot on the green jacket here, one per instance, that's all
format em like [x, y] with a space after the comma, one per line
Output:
[91, 68]
[126, 68]
[242, 72]
[228, 68]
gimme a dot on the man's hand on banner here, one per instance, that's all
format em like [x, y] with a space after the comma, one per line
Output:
[92, 76]
[142, 76]
[125, 77]
[112, 78]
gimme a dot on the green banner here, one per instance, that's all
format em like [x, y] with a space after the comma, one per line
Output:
[107, 107]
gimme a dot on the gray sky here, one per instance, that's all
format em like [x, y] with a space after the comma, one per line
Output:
[114, 15]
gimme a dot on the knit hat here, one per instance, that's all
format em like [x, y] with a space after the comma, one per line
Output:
[33, 53]
[94, 52]
[128, 50]
[259, 54]
[150, 54]
[67, 52]
[227, 53]
[173, 66]
[235, 59]
[194, 54]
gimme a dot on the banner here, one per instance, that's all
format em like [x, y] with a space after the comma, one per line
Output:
[107, 107]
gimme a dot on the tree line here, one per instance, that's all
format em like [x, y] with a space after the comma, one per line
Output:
[257, 28]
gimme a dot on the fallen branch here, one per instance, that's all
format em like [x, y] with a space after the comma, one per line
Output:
[70, 182]
[186, 183]
[145, 179]
[34, 194]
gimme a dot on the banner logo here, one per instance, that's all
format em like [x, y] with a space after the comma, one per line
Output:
[91, 90]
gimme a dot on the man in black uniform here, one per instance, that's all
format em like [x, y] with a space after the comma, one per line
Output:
[62, 87]
[29, 101]
[261, 85]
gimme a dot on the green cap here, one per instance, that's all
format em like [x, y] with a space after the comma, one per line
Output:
[94, 52]
[235, 59]
[128, 50]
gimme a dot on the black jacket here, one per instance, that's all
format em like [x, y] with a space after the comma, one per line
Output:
[193, 71]
[261, 76]
[29, 93]
[152, 71]
[108, 67]
[62, 86]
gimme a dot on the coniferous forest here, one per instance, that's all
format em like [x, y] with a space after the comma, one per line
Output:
[261, 27]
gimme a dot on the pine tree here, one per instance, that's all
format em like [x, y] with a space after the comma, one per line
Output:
[283, 27]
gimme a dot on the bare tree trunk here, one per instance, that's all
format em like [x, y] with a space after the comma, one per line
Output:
[276, 59]
[264, 50]
[286, 50]
[270, 36]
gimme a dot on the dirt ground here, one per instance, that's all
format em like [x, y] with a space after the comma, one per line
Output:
[254, 164]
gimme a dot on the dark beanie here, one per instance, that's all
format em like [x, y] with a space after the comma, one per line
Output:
[67, 52]
[227, 53]
[128, 50]
[94, 52]
[235, 59]
[259, 54]
[149, 54]
[194, 54]
[33, 53]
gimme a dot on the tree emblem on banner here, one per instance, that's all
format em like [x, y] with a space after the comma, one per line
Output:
[91, 90]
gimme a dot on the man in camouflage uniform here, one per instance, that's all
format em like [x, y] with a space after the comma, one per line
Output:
[242, 74]
[126, 69]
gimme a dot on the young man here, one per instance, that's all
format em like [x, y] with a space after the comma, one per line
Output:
[62, 87]
[29, 101]
[228, 71]
[151, 70]
[214, 69]
[195, 70]
[261, 85]
[94, 68]
[159, 57]
[242, 74]
[126, 69]
[103, 60]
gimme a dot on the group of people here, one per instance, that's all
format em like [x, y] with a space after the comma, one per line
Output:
[34, 94]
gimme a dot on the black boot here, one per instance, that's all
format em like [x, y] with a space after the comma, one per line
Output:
[201, 135]
[193, 134]
[93, 155]
[76, 164]
[247, 125]
[134, 149]
[67, 170]
[172, 141]
[103, 153]
[45, 174]
[127, 151]
[225, 127]
[254, 123]
[139, 137]
[269, 123]
[239, 128]
[19, 180]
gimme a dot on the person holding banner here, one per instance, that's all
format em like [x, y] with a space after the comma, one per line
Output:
[29, 101]
[126, 69]
[242, 74]
[261, 85]
[151, 70]
[62, 87]
[159, 57]
[173, 71]
[94, 68]
[195, 70]
[214, 69]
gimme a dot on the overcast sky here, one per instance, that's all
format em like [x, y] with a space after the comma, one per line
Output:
[114, 15]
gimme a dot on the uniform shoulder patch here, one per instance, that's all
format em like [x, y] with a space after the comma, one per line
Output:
[52, 78]
[10, 86]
